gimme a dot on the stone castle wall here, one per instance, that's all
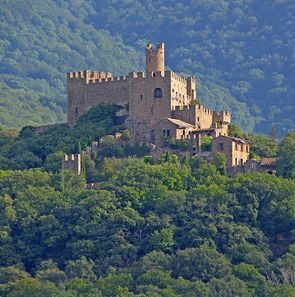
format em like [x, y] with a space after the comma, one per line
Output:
[144, 109]
[85, 91]
[196, 115]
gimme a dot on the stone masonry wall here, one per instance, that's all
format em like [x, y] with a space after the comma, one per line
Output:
[196, 115]
[144, 109]
[85, 90]
[234, 150]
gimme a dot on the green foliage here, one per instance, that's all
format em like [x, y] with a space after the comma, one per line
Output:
[286, 154]
[262, 146]
[283, 291]
[228, 286]
[81, 268]
[220, 163]
[46, 149]
[177, 144]
[164, 228]
[48, 271]
[203, 263]
[34, 288]
[235, 131]
[206, 143]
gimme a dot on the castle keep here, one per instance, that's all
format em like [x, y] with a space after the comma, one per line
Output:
[160, 104]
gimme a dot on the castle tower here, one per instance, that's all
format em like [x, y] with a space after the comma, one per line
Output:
[155, 58]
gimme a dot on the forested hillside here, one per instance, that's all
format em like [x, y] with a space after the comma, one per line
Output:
[241, 51]
[163, 227]
[40, 42]
[166, 229]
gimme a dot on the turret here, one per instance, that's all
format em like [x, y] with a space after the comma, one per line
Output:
[155, 58]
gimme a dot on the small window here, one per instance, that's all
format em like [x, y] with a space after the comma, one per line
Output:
[236, 146]
[164, 132]
[158, 93]
[221, 146]
[154, 74]
[168, 132]
[236, 161]
[242, 162]
[141, 97]
[242, 148]
[183, 132]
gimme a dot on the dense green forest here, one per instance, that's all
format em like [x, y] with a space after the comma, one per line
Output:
[161, 228]
[241, 51]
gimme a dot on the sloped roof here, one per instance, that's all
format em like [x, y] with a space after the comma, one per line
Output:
[178, 123]
[235, 139]
[268, 161]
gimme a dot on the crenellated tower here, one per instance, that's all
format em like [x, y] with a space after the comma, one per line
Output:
[155, 58]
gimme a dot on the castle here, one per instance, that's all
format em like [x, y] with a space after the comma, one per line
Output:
[160, 104]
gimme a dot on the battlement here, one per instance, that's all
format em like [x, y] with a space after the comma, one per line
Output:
[105, 77]
[89, 75]
[222, 116]
[71, 157]
[194, 107]
[153, 49]
[222, 112]
[178, 77]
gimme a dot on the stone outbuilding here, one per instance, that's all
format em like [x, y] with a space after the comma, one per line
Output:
[264, 165]
[236, 150]
[171, 128]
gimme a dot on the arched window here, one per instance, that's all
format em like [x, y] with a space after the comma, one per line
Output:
[158, 93]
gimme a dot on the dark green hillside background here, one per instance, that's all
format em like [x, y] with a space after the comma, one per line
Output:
[243, 53]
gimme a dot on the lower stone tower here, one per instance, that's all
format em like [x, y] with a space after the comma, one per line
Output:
[72, 162]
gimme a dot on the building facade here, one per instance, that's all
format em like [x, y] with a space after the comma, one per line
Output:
[236, 150]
